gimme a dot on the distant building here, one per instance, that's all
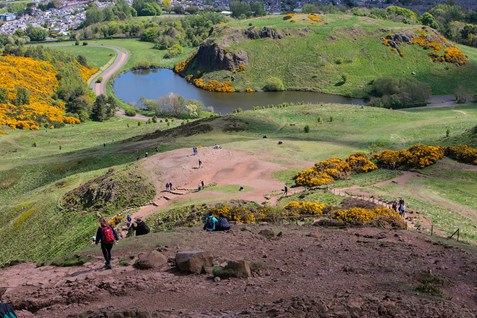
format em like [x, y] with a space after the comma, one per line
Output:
[7, 16]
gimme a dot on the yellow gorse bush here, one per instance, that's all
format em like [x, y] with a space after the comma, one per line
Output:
[304, 208]
[181, 66]
[418, 156]
[362, 216]
[327, 171]
[314, 18]
[39, 79]
[462, 153]
[214, 86]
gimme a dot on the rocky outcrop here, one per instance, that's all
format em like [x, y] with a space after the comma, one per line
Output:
[212, 57]
[267, 32]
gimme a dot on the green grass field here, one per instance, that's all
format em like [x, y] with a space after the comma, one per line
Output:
[340, 46]
[96, 56]
[33, 179]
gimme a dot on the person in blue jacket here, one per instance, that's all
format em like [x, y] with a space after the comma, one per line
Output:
[106, 235]
[210, 222]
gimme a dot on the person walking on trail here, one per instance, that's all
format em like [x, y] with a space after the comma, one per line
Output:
[167, 186]
[210, 222]
[202, 184]
[140, 227]
[200, 163]
[285, 190]
[106, 235]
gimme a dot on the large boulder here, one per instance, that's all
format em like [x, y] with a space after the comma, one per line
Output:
[193, 261]
[212, 57]
[241, 268]
[151, 260]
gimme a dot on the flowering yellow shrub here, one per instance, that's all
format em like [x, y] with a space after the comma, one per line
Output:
[323, 172]
[181, 66]
[305, 207]
[359, 162]
[39, 79]
[249, 90]
[314, 18]
[214, 86]
[418, 156]
[362, 216]
[441, 49]
[462, 153]
[86, 72]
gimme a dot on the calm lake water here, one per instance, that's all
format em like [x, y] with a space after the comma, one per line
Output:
[153, 84]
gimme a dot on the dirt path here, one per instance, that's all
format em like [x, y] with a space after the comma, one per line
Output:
[120, 60]
[226, 169]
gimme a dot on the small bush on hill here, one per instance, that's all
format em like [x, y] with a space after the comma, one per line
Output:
[130, 112]
[274, 84]
[391, 92]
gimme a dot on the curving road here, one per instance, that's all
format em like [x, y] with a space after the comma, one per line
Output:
[121, 59]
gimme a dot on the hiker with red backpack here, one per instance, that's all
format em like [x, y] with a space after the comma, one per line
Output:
[107, 235]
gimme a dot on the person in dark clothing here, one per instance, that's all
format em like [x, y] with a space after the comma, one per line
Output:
[210, 222]
[223, 223]
[140, 227]
[285, 190]
[106, 235]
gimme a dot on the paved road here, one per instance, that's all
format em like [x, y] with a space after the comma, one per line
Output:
[121, 59]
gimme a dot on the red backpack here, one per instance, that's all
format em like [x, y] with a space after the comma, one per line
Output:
[107, 236]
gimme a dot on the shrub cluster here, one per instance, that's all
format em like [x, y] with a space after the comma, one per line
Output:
[418, 156]
[327, 171]
[295, 208]
[389, 92]
[214, 85]
[462, 153]
[376, 216]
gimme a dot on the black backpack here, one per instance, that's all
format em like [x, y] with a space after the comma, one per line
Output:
[6, 311]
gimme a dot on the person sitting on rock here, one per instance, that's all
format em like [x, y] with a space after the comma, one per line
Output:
[223, 224]
[140, 227]
[210, 222]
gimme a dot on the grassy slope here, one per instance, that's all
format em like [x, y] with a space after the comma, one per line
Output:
[34, 178]
[341, 45]
[96, 56]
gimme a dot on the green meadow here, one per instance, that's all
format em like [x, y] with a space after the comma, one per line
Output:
[35, 173]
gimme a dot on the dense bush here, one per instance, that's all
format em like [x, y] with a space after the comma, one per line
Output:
[462, 153]
[391, 92]
[361, 216]
[418, 156]
[274, 84]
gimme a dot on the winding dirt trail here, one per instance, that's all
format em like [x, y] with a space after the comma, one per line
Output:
[122, 56]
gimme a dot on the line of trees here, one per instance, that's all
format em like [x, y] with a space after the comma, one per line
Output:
[244, 10]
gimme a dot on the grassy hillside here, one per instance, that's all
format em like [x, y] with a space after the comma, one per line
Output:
[33, 179]
[340, 46]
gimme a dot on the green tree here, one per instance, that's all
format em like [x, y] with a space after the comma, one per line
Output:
[428, 19]
[103, 108]
[239, 9]
[310, 8]
[22, 97]
[35, 33]
[3, 95]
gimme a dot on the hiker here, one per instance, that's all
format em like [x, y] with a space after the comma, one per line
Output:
[107, 235]
[198, 187]
[394, 206]
[6, 310]
[202, 184]
[223, 223]
[157, 149]
[167, 186]
[140, 227]
[200, 163]
[402, 210]
[146, 154]
[285, 190]
[241, 188]
[129, 221]
[210, 222]
[216, 146]
[170, 186]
